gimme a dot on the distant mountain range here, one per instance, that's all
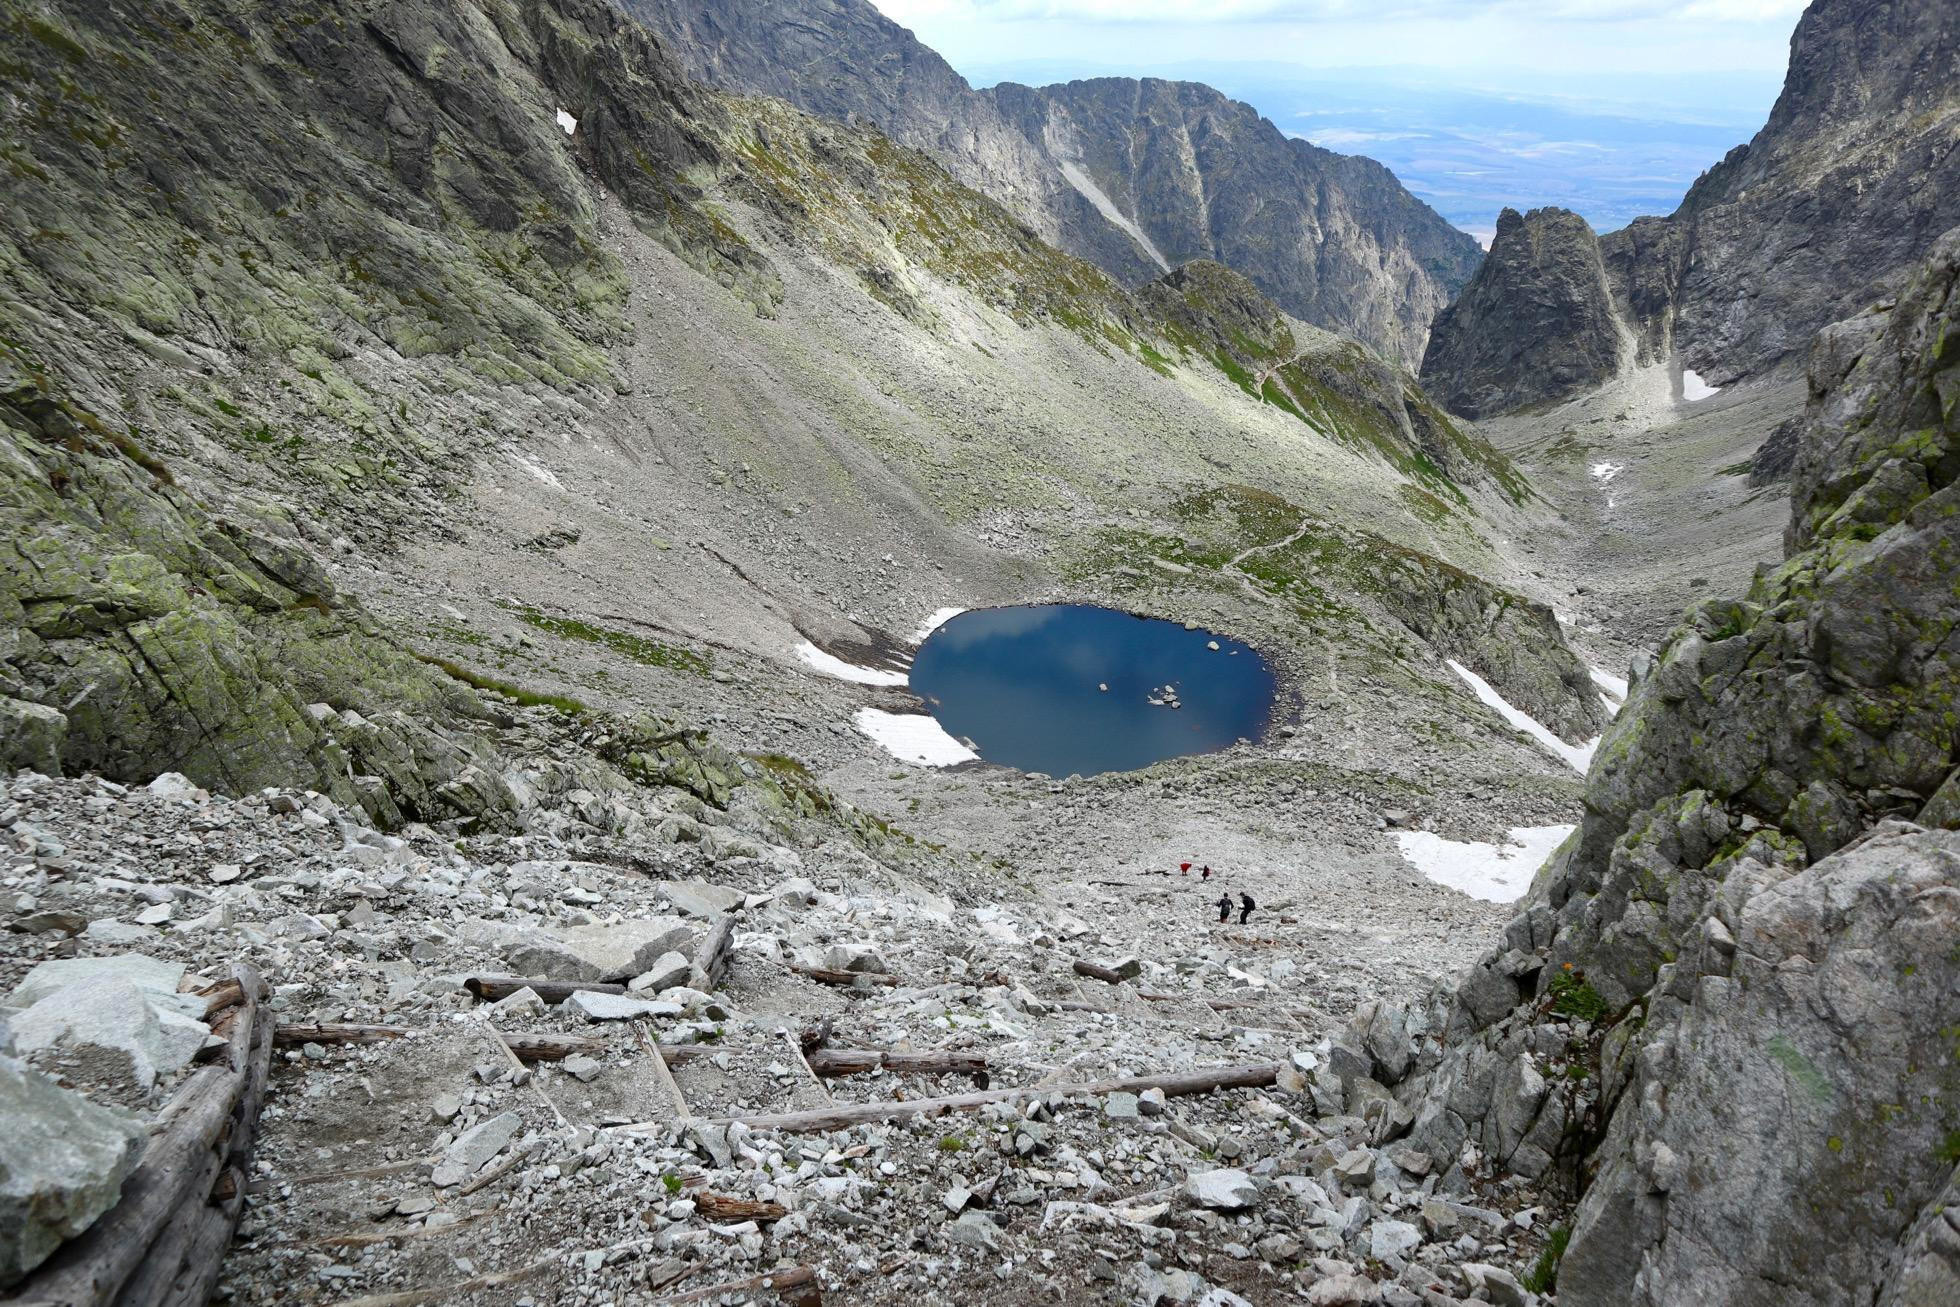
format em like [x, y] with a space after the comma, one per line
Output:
[1137, 176]
[1610, 150]
[1845, 188]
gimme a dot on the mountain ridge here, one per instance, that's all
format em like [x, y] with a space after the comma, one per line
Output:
[1336, 241]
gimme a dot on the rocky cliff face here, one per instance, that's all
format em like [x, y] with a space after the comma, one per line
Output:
[1724, 1012]
[1535, 324]
[1847, 185]
[1841, 193]
[1135, 176]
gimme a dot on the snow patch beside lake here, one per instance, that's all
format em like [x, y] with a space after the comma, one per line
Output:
[1694, 388]
[831, 665]
[913, 737]
[1577, 756]
[1496, 873]
[939, 618]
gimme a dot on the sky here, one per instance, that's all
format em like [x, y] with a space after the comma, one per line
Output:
[1610, 107]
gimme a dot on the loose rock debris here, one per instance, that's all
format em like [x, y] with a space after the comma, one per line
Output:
[486, 1091]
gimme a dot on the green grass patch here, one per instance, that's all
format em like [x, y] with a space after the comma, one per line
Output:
[516, 693]
[1543, 1276]
[651, 653]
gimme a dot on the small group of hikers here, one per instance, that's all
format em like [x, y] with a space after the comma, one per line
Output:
[1246, 905]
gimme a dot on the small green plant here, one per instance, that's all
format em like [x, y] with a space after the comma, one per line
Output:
[1573, 996]
[951, 1144]
[672, 1181]
[1544, 1276]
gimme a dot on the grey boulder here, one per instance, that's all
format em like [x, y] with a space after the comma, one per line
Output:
[62, 1164]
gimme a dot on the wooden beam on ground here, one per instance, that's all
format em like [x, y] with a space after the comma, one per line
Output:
[1174, 1084]
[450, 1292]
[796, 1051]
[1095, 972]
[492, 988]
[528, 1047]
[798, 1284]
[836, 1063]
[658, 1056]
[843, 979]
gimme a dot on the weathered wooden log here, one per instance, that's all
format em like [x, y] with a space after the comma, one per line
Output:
[845, 979]
[218, 997]
[1095, 972]
[727, 1208]
[1174, 1084]
[551, 1048]
[492, 988]
[662, 1072]
[163, 1241]
[337, 1032]
[1215, 1004]
[797, 1284]
[528, 1047]
[836, 1063]
[711, 958]
[450, 1292]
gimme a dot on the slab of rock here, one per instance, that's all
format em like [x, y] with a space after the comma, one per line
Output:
[62, 1164]
[667, 971]
[599, 953]
[473, 1148]
[619, 1007]
[855, 957]
[137, 968]
[105, 1015]
[1225, 1190]
[700, 898]
[1392, 1240]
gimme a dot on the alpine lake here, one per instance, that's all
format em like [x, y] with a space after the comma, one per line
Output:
[1075, 689]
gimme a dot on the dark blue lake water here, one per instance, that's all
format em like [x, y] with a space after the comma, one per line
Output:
[1027, 686]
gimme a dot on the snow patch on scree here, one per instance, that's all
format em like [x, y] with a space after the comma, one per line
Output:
[1577, 756]
[1694, 388]
[913, 737]
[939, 618]
[1613, 690]
[1496, 873]
[831, 665]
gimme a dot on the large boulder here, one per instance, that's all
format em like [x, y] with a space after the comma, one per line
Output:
[62, 1164]
[113, 1027]
[598, 952]
[1806, 1088]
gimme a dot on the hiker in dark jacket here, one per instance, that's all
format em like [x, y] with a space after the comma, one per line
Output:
[1224, 907]
[1245, 907]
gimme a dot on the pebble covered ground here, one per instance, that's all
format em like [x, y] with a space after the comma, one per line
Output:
[436, 1165]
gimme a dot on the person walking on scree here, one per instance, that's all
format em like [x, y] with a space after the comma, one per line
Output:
[1246, 905]
[1224, 907]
